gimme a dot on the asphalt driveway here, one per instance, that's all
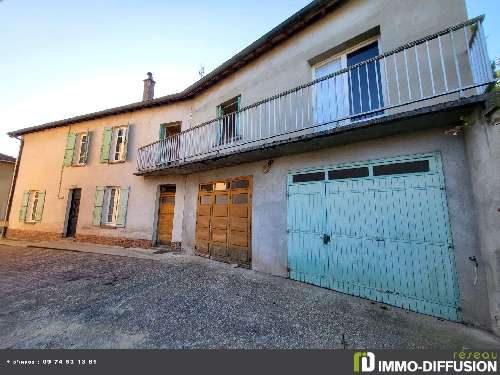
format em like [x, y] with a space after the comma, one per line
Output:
[63, 299]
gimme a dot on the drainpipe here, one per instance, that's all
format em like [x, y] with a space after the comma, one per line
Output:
[13, 185]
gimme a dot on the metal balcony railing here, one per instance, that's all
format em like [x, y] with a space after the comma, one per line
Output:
[445, 66]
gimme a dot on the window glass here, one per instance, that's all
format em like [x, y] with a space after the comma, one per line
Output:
[111, 204]
[239, 184]
[308, 177]
[205, 199]
[240, 198]
[32, 205]
[221, 186]
[119, 135]
[399, 168]
[167, 189]
[338, 174]
[221, 199]
[206, 187]
[82, 154]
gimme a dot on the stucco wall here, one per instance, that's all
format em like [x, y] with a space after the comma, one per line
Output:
[483, 151]
[6, 172]
[42, 168]
[269, 204]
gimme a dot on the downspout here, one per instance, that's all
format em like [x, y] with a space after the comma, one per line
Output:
[12, 186]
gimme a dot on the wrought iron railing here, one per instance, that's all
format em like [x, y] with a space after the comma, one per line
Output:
[441, 67]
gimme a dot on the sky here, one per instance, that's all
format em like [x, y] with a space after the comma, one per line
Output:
[62, 58]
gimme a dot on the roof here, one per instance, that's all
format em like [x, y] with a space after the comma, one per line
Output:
[7, 158]
[311, 13]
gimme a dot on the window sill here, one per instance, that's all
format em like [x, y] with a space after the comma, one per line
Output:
[108, 226]
[30, 222]
[116, 161]
[79, 165]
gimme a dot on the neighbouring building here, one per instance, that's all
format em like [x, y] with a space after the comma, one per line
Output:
[355, 146]
[7, 165]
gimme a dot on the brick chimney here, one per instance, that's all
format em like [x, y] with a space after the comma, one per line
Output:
[149, 88]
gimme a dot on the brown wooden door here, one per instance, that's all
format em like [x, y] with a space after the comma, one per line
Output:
[166, 217]
[223, 226]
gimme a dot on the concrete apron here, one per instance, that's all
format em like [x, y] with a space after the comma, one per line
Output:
[130, 252]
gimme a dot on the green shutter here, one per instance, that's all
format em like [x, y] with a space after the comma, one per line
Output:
[122, 208]
[39, 207]
[97, 212]
[125, 142]
[24, 206]
[106, 144]
[70, 149]
[163, 131]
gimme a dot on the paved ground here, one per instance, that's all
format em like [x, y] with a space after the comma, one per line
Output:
[63, 299]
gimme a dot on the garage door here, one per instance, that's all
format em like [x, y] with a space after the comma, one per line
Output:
[377, 230]
[223, 220]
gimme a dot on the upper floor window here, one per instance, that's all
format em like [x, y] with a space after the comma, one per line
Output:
[169, 129]
[228, 126]
[356, 93]
[77, 149]
[32, 206]
[119, 137]
[114, 144]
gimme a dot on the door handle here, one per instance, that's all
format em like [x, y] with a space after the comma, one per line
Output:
[326, 239]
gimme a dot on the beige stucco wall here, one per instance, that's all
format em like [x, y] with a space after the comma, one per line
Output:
[284, 67]
[6, 172]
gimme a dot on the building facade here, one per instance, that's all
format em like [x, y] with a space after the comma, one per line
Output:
[7, 164]
[345, 148]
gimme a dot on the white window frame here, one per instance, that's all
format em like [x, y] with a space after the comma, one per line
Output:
[110, 218]
[343, 62]
[118, 148]
[77, 153]
[31, 209]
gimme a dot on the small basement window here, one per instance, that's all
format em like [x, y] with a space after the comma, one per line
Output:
[308, 177]
[401, 168]
[339, 174]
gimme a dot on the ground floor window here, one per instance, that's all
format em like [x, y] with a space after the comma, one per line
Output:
[110, 206]
[111, 200]
[32, 206]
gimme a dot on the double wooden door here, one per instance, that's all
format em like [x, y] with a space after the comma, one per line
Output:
[223, 225]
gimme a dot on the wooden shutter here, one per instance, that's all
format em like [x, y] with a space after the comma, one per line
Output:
[70, 149]
[98, 202]
[24, 206]
[122, 207]
[106, 144]
[125, 142]
[39, 207]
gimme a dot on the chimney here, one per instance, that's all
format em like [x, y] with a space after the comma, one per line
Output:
[149, 88]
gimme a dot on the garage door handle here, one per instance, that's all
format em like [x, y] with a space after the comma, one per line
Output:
[326, 239]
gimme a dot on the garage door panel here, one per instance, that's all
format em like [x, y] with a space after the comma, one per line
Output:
[390, 238]
[204, 210]
[239, 210]
[203, 221]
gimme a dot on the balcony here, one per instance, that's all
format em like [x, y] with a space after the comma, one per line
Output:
[451, 66]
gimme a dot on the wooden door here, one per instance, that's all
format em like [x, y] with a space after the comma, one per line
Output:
[166, 217]
[73, 212]
[223, 220]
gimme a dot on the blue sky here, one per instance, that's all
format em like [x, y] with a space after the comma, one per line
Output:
[64, 58]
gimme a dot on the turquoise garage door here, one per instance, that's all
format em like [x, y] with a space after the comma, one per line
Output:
[376, 229]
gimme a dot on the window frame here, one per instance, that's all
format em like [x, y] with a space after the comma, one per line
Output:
[34, 196]
[107, 205]
[114, 143]
[77, 152]
[343, 62]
